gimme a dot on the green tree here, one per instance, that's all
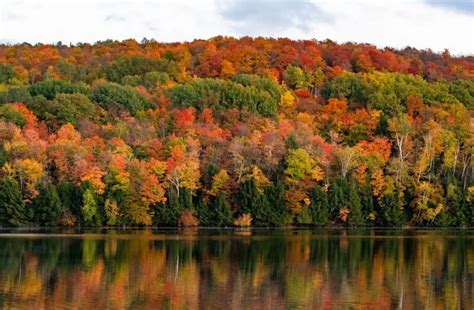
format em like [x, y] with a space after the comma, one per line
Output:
[89, 209]
[296, 78]
[391, 212]
[319, 207]
[16, 94]
[69, 108]
[221, 213]
[356, 216]
[71, 197]
[47, 206]
[276, 213]
[7, 72]
[115, 97]
[12, 207]
[204, 213]
[10, 114]
[50, 88]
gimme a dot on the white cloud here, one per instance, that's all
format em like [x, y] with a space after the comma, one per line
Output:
[418, 23]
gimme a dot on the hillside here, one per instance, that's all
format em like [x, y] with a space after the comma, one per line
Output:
[226, 131]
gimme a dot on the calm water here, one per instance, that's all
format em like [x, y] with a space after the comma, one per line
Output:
[247, 269]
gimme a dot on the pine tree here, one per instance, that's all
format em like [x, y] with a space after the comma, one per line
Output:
[319, 207]
[367, 201]
[203, 212]
[337, 195]
[12, 207]
[71, 197]
[458, 210]
[277, 213]
[221, 213]
[356, 217]
[47, 206]
[248, 197]
[392, 215]
[168, 213]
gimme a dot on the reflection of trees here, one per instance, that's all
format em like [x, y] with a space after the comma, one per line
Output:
[272, 270]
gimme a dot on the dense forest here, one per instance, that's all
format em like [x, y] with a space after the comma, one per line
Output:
[222, 132]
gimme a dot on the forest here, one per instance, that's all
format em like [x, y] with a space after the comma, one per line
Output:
[235, 132]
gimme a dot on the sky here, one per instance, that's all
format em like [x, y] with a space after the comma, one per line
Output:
[434, 24]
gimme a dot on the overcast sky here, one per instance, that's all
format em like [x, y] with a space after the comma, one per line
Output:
[435, 24]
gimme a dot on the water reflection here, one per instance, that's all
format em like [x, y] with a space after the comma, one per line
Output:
[253, 269]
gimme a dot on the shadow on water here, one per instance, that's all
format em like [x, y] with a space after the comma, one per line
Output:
[237, 268]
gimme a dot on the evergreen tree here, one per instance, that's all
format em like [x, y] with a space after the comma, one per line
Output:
[204, 213]
[319, 207]
[305, 217]
[221, 213]
[356, 217]
[458, 211]
[338, 197]
[391, 213]
[276, 213]
[12, 207]
[367, 201]
[168, 213]
[248, 198]
[71, 197]
[47, 206]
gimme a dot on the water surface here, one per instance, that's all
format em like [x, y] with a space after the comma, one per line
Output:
[237, 269]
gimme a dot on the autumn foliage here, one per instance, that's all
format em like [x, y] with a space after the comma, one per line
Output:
[248, 131]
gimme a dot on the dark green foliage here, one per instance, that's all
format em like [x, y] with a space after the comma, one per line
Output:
[12, 115]
[47, 206]
[291, 142]
[204, 213]
[391, 214]
[356, 217]
[319, 207]
[139, 66]
[50, 88]
[71, 197]
[3, 156]
[276, 213]
[221, 94]
[115, 97]
[343, 195]
[459, 211]
[349, 86]
[167, 214]
[305, 217]
[337, 197]
[248, 199]
[267, 208]
[221, 213]
[131, 80]
[217, 213]
[12, 207]
[71, 72]
[7, 72]
[151, 79]
[40, 106]
[367, 200]
[69, 108]
[16, 94]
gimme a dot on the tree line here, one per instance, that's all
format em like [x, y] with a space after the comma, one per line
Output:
[237, 132]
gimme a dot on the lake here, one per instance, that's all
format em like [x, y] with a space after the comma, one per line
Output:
[237, 269]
